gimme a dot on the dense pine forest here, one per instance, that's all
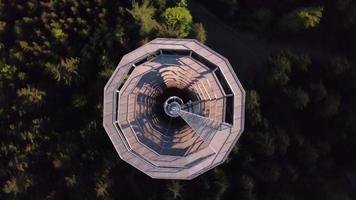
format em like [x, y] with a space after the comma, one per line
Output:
[300, 134]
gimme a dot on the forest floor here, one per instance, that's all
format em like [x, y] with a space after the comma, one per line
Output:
[247, 51]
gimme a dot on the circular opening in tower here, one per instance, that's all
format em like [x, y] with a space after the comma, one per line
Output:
[185, 95]
[172, 106]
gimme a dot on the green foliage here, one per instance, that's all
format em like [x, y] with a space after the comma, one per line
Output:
[330, 106]
[56, 57]
[308, 95]
[31, 95]
[175, 188]
[247, 184]
[161, 4]
[299, 62]
[103, 184]
[79, 101]
[65, 72]
[302, 19]
[283, 64]
[17, 185]
[299, 97]
[221, 184]
[198, 32]
[101, 189]
[144, 17]
[181, 3]
[282, 140]
[177, 22]
[58, 33]
[2, 26]
[106, 72]
[338, 66]
[61, 161]
[71, 181]
[281, 69]
[44, 138]
[253, 108]
[265, 144]
[6, 71]
[310, 16]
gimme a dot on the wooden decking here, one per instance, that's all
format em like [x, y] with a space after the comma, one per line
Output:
[136, 131]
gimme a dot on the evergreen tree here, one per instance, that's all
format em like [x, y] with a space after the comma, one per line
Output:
[199, 32]
[177, 22]
[144, 16]
[302, 19]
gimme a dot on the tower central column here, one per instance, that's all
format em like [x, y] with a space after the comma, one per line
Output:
[172, 106]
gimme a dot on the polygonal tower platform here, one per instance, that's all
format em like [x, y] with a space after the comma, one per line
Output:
[174, 108]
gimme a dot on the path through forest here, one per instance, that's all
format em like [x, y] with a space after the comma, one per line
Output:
[244, 50]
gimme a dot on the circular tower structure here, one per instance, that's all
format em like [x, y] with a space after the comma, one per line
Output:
[173, 108]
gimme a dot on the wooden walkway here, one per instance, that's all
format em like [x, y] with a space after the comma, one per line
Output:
[136, 131]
